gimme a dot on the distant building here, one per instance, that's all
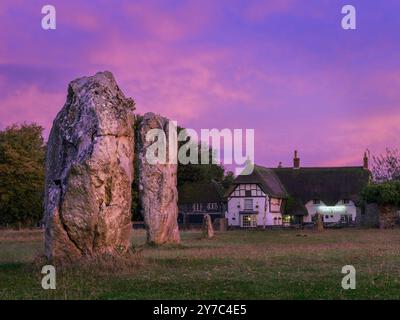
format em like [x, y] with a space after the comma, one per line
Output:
[293, 195]
[197, 199]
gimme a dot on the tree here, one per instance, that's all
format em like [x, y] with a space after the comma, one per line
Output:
[384, 193]
[386, 167]
[228, 179]
[187, 173]
[22, 155]
[192, 173]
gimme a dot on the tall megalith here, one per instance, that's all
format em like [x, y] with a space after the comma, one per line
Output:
[89, 171]
[158, 179]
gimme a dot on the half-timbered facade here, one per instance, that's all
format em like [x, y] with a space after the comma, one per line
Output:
[294, 195]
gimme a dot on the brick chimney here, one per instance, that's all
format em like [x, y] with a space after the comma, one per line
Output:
[296, 161]
[365, 165]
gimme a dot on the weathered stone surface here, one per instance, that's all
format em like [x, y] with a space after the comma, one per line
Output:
[157, 186]
[388, 216]
[89, 171]
[223, 224]
[208, 230]
[319, 223]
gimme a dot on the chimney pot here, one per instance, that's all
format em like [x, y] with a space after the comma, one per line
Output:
[296, 160]
[365, 165]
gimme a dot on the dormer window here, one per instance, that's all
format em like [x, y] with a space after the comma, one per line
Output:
[197, 207]
[346, 201]
[316, 201]
[212, 206]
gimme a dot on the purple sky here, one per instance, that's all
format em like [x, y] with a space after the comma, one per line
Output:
[283, 67]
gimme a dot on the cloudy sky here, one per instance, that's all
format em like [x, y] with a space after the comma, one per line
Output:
[283, 67]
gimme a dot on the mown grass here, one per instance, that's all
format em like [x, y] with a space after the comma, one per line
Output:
[286, 264]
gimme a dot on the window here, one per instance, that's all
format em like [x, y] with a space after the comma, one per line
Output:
[249, 221]
[346, 218]
[248, 204]
[287, 220]
[212, 206]
[346, 201]
[317, 201]
[197, 207]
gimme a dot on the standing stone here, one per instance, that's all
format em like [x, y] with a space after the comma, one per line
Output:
[319, 223]
[89, 171]
[158, 183]
[387, 216]
[208, 230]
[223, 224]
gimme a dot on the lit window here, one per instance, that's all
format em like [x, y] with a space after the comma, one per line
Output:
[249, 221]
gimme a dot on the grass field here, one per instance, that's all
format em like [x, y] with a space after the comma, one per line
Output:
[286, 264]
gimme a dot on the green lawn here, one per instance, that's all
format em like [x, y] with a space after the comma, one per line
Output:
[285, 264]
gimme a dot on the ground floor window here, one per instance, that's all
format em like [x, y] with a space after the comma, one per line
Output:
[287, 220]
[346, 218]
[249, 220]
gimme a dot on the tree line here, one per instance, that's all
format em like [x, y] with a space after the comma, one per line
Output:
[22, 175]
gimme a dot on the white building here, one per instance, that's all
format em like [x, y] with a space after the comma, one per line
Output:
[293, 195]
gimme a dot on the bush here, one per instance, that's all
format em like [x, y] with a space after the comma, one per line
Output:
[386, 193]
[22, 155]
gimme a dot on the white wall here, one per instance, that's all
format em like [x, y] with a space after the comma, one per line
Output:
[331, 214]
[267, 219]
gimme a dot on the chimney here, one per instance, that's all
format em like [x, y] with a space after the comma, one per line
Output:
[296, 161]
[366, 166]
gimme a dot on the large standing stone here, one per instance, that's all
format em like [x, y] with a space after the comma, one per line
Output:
[157, 185]
[89, 171]
[208, 230]
[319, 223]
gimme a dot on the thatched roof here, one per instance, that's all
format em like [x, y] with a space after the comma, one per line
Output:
[299, 186]
[266, 178]
[211, 192]
[323, 183]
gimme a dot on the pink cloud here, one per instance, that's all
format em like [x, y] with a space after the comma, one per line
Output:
[32, 105]
[181, 85]
[170, 25]
[351, 138]
[259, 10]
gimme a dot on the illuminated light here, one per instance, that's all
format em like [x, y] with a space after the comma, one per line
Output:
[332, 209]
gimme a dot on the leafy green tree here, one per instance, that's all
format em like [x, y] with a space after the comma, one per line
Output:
[192, 173]
[22, 156]
[228, 179]
[385, 193]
